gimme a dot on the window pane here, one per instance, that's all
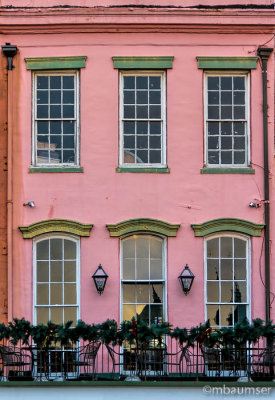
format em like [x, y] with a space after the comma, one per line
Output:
[56, 271]
[42, 271]
[55, 82]
[42, 315]
[240, 269]
[70, 314]
[142, 247]
[226, 315]
[156, 314]
[129, 293]
[69, 250]
[56, 293]
[69, 293]
[56, 249]
[142, 268]
[129, 268]
[212, 269]
[213, 292]
[156, 293]
[42, 252]
[240, 313]
[156, 269]
[42, 294]
[226, 247]
[240, 248]
[57, 315]
[68, 82]
[213, 315]
[69, 271]
[142, 293]
[143, 312]
[226, 292]
[129, 248]
[42, 82]
[129, 312]
[240, 292]
[226, 270]
[213, 83]
[213, 248]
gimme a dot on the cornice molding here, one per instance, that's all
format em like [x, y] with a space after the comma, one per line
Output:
[227, 224]
[143, 225]
[55, 225]
[68, 62]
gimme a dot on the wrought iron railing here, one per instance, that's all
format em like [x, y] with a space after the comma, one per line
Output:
[157, 360]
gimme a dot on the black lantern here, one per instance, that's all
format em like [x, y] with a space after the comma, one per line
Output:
[100, 278]
[186, 279]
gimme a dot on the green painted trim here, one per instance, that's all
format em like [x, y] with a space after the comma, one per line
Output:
[55, 225]
[145, 170]
[50, 170]
[227, 62]
[147, 225]
[72, 62]
[227, 171]
[163, 383]
[227, 224]
[161, 62]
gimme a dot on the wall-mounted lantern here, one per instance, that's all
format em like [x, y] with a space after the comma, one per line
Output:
[100, 278]
[186, 279]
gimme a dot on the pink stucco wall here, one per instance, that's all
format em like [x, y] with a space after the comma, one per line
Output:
[100, 195]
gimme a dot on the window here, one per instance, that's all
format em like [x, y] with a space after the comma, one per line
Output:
[56, 296]
[142, 119]
[226, 269]
[226, 119]
[55, 118]
[143, 278]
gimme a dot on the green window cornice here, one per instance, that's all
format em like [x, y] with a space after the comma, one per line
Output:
[40, 63]
[55, 225]
[227, 62]
[227, 224]
[162, 62]
[141, 225]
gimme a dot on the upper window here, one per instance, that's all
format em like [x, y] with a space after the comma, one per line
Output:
[55, 118]
[226, 119]
[56, 296]
[142, 119]
[226, 269]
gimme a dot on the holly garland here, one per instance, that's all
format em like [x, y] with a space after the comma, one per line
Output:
[136, 332]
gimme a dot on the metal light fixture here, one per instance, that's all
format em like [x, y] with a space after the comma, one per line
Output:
[100, 278]
[186, 279]
[30, 204]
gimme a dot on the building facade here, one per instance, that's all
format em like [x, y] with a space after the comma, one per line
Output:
[137, 143]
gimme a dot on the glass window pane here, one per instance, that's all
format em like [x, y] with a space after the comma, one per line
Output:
[42, 295]
[239, 82]
[240, 313]
[56, 293]
[129, 268]
[69, 293]
[142, 247]
[156, 293]
[42, 250]
[129, 312]
[240, 248]
[56, 271]
[226, 247]
[156, 269]
[226, 83]
[42, 271]
[55, 82]
[240, 269]
[70, 314]
[143, 312]
[56, 249]
[154, 82]
[155, 249]
[213, 315]
[42, 82]
[240, 292]
[142, 82]
[213, 292]
[226, 128]
[213, 83]
[68, 82]
[142, 293]
[156, 314]
[129, 248]
[213, 248]
[57, 315]
[142, 268]
[69, 271]
[129, 293]
[213, 128]
[226, 292]
[69, 250]
[226, 315]
[129, 82]
[42, 315]
[226, 270]
[212, 269]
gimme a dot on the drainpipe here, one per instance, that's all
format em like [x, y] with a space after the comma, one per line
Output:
[264, 53]
[10, 51]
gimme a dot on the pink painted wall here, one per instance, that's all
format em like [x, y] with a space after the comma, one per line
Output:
[100, 195]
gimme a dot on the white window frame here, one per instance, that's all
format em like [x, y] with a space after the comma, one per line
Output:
[247, 113]
[74, 239]
[162, 74]
[164, 280]
[35, 74]
[248, 273]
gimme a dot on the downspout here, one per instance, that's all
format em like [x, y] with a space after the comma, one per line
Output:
[10, 51]
[264, 54]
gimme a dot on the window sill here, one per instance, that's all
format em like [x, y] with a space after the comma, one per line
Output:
[56, 170]
[227, 171]
[144, 170]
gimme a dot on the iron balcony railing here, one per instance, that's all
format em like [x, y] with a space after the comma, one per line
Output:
[167, 360]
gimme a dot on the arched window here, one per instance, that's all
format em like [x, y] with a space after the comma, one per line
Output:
[143, 278]
[56, 277]
[227, 278]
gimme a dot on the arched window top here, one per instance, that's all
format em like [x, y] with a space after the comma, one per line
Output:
[143, 225]
[55, 225]
[227, 224]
